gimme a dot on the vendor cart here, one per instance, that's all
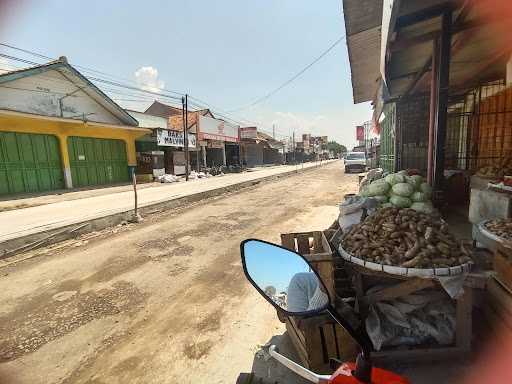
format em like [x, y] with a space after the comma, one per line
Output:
[399, 286]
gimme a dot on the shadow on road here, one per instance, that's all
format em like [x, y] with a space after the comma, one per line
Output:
[266, 370]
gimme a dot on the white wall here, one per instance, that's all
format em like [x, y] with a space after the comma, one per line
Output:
[40, 94]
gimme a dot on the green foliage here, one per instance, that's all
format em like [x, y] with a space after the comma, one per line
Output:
[336, 147]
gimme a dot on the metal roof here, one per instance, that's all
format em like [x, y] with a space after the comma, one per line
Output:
[148, 121]
[72, 75]
[363, 20]
[479, 45]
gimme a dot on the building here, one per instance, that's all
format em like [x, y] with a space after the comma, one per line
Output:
[439, 75]
[161, 142]
[258, 148]
[58, 130]
[217, 142]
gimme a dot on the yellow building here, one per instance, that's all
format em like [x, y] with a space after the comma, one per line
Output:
[58, 130]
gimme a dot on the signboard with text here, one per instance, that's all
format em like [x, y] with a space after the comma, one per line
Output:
[248, 133]
[214, 129]
[359, 133]
[169, 138]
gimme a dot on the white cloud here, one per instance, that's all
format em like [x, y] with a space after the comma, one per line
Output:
[338, 123]
[147, 78]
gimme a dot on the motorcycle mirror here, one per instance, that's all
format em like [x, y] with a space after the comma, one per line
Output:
[284, 278]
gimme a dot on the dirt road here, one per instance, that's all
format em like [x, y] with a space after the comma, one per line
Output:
[164, 301]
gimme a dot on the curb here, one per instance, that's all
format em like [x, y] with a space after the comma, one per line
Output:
[21, 244]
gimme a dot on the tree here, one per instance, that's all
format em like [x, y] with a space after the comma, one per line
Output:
[270, 290]
[336, 148]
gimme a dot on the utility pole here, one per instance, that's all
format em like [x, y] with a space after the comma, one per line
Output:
[184, 103]
[293, 146]
[274, 131]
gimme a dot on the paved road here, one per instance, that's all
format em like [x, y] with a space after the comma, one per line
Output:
[164, 301]
[26, 221]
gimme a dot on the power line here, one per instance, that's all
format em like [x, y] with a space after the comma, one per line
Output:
[40, 55]
[290, 80]
[96, 79]
[165, 93]
[159, 94]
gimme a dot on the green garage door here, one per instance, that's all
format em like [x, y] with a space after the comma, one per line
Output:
[29, 163]
[97, 161]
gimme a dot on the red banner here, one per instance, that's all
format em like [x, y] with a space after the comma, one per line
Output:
[359, 133]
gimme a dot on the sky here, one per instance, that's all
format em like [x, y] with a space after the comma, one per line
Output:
[269, 265]
[227, 53]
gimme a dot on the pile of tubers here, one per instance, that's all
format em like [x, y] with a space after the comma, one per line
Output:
[406, 238]
[501, 228]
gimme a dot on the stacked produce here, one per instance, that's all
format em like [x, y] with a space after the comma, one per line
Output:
[401, 191]
[406, 238]
[500, 227]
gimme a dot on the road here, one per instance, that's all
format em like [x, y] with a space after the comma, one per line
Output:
[164, 301]
[70, 208]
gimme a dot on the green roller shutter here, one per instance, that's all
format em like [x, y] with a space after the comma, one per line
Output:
[29, 163]
[97, 161]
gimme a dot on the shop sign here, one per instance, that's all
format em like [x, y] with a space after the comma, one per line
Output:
[215, 144]
[359, 133]
[169, 138]
[214, 129]
[248, 133]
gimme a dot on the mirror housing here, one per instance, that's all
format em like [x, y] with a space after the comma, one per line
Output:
[284, 278]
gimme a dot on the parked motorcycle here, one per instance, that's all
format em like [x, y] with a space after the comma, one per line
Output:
[288, 282]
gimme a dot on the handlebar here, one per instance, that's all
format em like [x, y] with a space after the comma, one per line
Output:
[298, 369]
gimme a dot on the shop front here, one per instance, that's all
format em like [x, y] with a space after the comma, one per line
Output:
[161, 151]
[173, 144]
[219, 142]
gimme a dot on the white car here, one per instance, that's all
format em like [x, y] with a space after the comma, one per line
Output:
[355, 161]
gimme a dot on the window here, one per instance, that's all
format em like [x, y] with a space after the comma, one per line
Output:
[356, 156]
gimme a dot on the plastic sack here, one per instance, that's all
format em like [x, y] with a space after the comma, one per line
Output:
[351, 210]
[423, 317]
[168, 178]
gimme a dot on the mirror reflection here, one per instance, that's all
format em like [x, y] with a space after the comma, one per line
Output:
[284, 277]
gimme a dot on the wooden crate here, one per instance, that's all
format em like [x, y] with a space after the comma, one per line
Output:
[503, 264]
[316, 249]
[498, 306]
[319, 339]
[398, 286]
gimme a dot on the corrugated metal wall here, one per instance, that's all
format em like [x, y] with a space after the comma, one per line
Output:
[253, 154]
[412, 131]
[387, 138]
[479, 132]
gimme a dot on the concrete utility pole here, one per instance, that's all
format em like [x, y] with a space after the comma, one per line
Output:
[184, 102]
[293, 146]
[274, 131]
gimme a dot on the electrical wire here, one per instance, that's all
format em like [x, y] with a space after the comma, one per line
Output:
[145, 93]
[290, 80]
[87, 69]
[222, 113]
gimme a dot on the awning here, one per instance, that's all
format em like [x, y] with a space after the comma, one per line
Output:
[481, 44]
[362, 25]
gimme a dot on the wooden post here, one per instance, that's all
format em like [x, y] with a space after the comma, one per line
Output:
[134, 181]
[432, 114]
[136, 217]
[443, 81]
